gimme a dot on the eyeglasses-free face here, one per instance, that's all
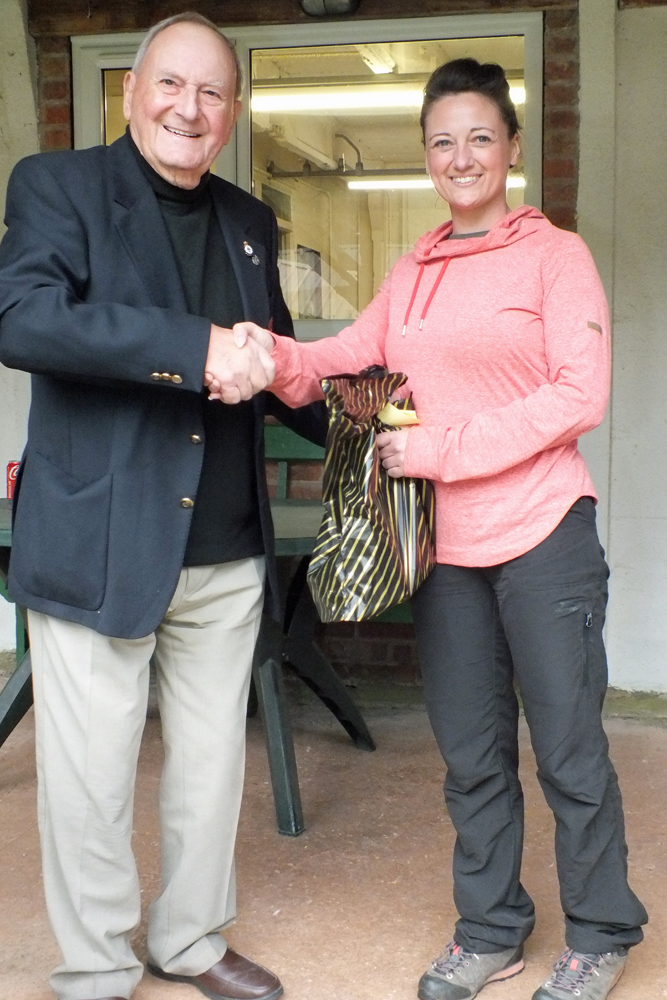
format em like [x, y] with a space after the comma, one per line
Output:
[468, 156]
[181, 102]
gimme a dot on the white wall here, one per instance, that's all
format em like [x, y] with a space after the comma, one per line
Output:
[595, 208]
[637, 635]
[18, 138]
[623, 218]
[18, 118]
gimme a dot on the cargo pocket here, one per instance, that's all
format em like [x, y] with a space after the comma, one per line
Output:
[61, 535]
[588, 640]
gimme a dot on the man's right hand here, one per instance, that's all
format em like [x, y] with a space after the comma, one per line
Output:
[245, 330]
[235, 372]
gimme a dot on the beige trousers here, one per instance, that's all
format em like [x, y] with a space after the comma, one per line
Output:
[91, 694]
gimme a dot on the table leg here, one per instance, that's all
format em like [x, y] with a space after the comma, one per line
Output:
[268, 676]
[16, 695]
[15, 698]
[312, 666]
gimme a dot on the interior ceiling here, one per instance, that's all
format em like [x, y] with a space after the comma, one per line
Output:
[392, 139]
[339, 63]
[385, 138]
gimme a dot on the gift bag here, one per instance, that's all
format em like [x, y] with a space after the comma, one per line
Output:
[375, 546]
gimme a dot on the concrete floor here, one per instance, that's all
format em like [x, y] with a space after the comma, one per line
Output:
[357, 907]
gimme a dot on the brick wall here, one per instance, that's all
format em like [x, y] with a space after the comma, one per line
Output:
[560, 139]
[54, 80]
[363, 652]
[304, 480]
[51, 22]
[370, 653]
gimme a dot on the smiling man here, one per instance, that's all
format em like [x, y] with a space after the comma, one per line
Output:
[142, 524]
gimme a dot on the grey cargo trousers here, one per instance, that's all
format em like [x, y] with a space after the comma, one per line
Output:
[534, 622]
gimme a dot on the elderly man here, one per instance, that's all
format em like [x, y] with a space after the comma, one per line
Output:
[142, 524]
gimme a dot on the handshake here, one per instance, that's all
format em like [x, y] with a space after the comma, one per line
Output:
[238, 363]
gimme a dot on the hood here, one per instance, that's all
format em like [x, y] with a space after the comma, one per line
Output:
[522, 222]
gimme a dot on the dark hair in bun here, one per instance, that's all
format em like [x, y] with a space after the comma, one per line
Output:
[465, 76]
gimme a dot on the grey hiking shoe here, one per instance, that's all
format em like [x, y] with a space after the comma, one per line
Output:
[460, 975]
[588, 977]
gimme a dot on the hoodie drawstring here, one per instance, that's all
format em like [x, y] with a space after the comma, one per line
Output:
[414, 296]
[427, 304]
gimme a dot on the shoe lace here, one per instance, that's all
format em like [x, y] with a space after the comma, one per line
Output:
[452, 959]
[573, 971]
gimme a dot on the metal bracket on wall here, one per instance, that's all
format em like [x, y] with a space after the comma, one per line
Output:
[341, 171]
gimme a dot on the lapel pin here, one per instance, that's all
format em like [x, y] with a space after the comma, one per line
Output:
[247, 248]
[255, 259]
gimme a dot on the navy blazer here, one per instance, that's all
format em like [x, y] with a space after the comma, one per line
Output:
[91, 303]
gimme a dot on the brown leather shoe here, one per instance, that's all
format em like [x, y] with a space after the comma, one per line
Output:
[232, 978]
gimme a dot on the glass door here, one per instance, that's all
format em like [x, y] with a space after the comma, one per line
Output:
[329, 138]
[337, 154]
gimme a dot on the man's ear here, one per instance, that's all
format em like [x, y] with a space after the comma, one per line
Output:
[234, 117]
[129, 82]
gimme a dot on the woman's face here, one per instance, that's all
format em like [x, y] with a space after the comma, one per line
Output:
[468, 154]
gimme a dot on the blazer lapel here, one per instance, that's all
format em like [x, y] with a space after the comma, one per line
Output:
[249, 259]
[144, 234]
[142, 229]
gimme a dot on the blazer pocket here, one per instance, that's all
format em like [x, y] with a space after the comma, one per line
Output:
[61, 535]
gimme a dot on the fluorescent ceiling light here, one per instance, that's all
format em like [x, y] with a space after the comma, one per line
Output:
[353, 98]
[390, 185]
[324, 99]
[417, 183]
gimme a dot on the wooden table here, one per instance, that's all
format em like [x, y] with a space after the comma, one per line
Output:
[296, 526]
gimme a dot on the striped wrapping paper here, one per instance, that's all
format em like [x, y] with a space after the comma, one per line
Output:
[375, 546]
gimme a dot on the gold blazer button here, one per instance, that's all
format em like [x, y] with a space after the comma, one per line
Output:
[176, 379]
[187, 502]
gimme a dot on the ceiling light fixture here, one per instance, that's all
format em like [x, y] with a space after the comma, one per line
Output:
[372, 97]
[414, 184]
[391, 185]
[324, 99]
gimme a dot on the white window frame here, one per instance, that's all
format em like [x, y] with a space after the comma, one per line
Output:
[93, 53]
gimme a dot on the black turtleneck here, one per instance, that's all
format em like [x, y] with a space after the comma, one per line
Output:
[225, 519]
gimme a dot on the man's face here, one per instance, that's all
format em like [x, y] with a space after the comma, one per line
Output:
[180, 103]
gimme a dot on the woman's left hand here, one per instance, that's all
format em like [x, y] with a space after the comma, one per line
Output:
[391, 449]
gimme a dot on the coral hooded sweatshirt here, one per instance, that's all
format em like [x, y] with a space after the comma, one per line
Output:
[505, 342]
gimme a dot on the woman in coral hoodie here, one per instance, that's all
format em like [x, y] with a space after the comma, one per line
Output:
[500, 321]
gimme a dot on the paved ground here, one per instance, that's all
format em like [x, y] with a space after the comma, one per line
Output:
[356, 907]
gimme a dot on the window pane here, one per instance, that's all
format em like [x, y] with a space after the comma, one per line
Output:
[337, 154]
[114, 120]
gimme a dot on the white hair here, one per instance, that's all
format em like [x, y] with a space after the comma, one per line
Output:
[188, 17]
